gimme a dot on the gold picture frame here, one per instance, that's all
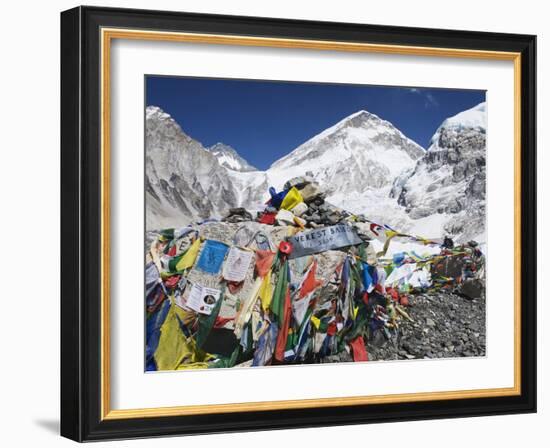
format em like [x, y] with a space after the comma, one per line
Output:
[517, 49]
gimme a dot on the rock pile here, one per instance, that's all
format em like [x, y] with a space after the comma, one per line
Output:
[300, 282]
[301, 203]
[444, 325]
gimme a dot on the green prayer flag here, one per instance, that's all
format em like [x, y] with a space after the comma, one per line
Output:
[166, 234]
[206, 321]
[227, 362]
[174, 261]
[278, 301]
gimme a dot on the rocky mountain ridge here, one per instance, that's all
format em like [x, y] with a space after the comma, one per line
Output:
[450, 178]
[364, 163]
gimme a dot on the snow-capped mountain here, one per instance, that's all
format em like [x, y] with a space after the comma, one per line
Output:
[449, 180]
[229, 158]
[363, 163]
[355, 161]
[184, 182]
[359, 153]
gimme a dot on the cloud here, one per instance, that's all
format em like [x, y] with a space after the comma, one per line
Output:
[429, 99]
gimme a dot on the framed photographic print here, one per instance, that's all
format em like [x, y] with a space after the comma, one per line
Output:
[274, 224]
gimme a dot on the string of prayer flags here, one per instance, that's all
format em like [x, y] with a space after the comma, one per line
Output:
[318, 294]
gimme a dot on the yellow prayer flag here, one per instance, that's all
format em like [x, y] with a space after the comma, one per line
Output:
[193, 366]
[190, 256]
[266, 291]
[390, 233]
[245, 313]
[173, 346]
[292, 199]
[315, 321]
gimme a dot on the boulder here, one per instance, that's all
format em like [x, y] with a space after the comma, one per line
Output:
[471, 288]
[285, 217]
[311, 192]
[238, 214]
[300, 209]
[299, 182]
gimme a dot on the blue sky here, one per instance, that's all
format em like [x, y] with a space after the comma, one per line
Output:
[265, 120]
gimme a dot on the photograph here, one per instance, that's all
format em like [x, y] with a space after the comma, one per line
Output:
[275, 223]
[291, 223]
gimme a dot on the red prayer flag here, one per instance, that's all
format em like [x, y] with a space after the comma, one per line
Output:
[283, 332]
[393, 293]
[221, 321]
[264, 260]
[375, 228]
[359, 350]
[267, 218]
[172, 281]
[310, 283]
[332, 329]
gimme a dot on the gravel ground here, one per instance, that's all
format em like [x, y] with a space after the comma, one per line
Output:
[445, 325]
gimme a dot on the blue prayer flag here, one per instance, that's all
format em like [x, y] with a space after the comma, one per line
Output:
[212, 256]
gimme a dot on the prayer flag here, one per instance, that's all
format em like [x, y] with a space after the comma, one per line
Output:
[212, 255]
[310, 283]
[188, 259]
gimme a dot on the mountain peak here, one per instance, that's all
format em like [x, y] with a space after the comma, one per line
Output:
[358, 118]
[360, 133]
[361, 114]
[156, 112]
[229, 158]
[355, 120]
[222, 147]
[473, 119]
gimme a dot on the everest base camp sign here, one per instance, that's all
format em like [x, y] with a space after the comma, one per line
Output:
[321, 240]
